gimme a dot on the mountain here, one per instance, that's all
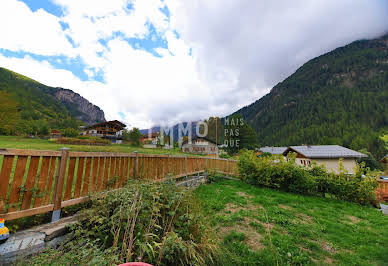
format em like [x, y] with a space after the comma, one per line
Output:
[337, 98]
[38, 103]
[79, 107]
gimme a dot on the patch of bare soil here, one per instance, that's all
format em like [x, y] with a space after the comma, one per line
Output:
[285, 207]
[353, 219]
[326, 246]
[304, 249]
[328, 261]
[244, 195]
[267, 226]
[304, 218]
[252, 239]
[233, 208]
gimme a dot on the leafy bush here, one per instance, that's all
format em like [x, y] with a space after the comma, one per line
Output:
[275, 172]
[223, 154]
[156, 223]
[214, 176]
[70, 132]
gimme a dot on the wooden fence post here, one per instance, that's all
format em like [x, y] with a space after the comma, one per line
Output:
[168, 165]
[135, 166]
[58, 188]
[186, 166]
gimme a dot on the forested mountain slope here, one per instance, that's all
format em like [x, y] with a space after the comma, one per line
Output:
[338, 98]
[44, 106]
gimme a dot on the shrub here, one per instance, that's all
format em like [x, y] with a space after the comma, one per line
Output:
[214, 176]
[154, 223]
[70, 132]
[275, 172]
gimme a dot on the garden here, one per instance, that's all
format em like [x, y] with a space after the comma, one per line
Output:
[276, 214]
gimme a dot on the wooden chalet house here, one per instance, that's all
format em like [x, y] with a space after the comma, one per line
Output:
[112, 130]
[200, 145]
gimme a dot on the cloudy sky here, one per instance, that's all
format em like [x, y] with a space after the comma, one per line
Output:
[147, 62]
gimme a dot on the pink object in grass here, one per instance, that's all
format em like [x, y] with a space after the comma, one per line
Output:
[135, 264]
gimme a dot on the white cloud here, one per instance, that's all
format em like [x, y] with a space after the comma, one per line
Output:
[90, 21]
[262, 42]
[239, 49]
[36, 32]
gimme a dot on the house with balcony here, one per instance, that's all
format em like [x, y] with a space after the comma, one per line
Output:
[112, 130]
[200, 145]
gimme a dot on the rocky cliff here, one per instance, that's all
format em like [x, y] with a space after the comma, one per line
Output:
[87, 112]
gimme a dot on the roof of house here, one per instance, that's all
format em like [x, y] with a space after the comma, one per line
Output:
[54, 131]
[325, 151]
[113, 123]
[273, 150]
[385, 159]
[193, 139]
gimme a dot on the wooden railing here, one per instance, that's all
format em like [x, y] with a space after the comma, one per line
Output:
[34, 182]
[382, 190]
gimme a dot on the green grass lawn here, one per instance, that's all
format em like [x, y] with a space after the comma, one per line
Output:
[42, 144]
[268, 227]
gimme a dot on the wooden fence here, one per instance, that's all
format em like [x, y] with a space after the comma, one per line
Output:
[382, 190]
[34, 182]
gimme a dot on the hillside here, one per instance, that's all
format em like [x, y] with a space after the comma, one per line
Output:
[41, 104]
[338, 98]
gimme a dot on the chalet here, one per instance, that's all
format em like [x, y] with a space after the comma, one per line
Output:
[200, 145]
[385, 161]
[150, 138]
[112, 130]
[326, 155]
[271, 150]
[55, 133]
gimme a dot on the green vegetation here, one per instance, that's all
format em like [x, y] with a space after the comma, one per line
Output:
[338, 98]
[70, 132]
[244, 225]
[275, 172]
[38, 108]
[261, 226]
[215, 129]
[83, 141]
[156, 223]
[16, 142]
[9, 113]
[238, 134]
[133, 136]
[385, 139]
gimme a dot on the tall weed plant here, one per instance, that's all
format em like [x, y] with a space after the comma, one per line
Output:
[160, 224]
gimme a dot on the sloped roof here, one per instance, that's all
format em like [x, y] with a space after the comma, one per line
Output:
[195, 138]
[273, 150]
[113, 123]
[325, 151]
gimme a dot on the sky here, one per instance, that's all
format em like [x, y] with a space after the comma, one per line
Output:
[152, 62]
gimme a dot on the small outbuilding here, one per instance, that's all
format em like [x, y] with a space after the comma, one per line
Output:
[55, 133]
[326, 155]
